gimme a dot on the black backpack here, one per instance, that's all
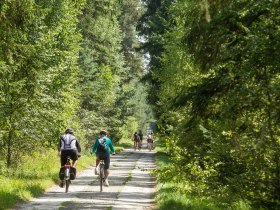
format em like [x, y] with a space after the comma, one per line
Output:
[102, 147]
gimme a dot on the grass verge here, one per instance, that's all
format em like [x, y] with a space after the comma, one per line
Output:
[176, 195]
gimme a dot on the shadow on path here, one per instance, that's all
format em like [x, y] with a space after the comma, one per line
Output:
[131, 187]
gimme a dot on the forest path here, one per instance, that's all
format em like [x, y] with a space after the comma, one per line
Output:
[131, 186]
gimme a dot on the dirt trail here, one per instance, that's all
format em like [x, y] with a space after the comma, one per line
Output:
[131, 187]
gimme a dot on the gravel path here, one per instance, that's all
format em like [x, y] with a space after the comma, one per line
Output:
[131, 187]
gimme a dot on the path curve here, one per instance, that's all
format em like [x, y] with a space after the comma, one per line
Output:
[131, 187]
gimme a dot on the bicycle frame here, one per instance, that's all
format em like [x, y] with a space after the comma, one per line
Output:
[150, 144]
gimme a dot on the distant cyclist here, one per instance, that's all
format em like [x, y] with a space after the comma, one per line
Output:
[150, 139]
[68, 146]
[140, 133]
[136, 140]
[103, 147]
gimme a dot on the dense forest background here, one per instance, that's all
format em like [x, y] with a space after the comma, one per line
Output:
[215, 70]
[212, 81]
[67, 63]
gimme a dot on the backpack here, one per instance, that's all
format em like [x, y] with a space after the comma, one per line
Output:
[102, 147]
[67, 140]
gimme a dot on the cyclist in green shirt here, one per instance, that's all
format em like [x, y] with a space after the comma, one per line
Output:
[103, 147]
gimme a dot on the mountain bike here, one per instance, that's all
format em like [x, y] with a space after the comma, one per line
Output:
[150, 144]
[101, 173]
[67, 168]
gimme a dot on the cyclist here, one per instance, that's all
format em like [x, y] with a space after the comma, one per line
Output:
[136, 140]
[102, 148]
[68, 146]
[141, 136]
[150, 139]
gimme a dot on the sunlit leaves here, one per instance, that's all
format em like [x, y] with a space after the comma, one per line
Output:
[216, 73]
[39, 51]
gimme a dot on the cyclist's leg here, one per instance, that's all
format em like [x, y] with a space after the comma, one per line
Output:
[63, 158]
[97, 161]
[63, 161]
[74, 158]
[107, 165]
[106, 171]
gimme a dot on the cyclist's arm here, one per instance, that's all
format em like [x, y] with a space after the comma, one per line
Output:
[59, 148]
[78, 146]
[94, 148]
[111, 147]
[59, 145]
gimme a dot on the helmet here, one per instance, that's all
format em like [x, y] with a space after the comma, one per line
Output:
[69, 130]
[103, 132]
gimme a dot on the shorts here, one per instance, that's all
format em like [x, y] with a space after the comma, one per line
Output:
[105, 157]
[65, 153]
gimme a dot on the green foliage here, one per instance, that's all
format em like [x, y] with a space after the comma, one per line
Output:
[39, 51]
[109, 63]
[215, 75]
[174, 191]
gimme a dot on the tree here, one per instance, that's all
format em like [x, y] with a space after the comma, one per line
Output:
[217, 93]
[39, 50]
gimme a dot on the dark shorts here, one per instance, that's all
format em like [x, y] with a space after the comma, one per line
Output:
[65, 153]
[105, 157]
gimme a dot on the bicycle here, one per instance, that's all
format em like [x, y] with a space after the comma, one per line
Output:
[67, 168]
[101, 173]
[150, 144]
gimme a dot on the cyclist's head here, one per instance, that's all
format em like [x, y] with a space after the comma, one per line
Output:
[69, 130]
[103, 132]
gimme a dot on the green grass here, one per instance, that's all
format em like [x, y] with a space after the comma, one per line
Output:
[128, 178]
[176, 195]
[33, 176]
[169, 197]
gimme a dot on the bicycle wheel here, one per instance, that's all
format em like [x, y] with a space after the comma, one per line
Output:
[67, 179]
[67, 183]
[101, 175]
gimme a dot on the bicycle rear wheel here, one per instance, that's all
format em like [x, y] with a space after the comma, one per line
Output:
[150, 146]
[67, 184]
[101, 176]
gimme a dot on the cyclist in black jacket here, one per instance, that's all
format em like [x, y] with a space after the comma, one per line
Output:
[68, 146]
